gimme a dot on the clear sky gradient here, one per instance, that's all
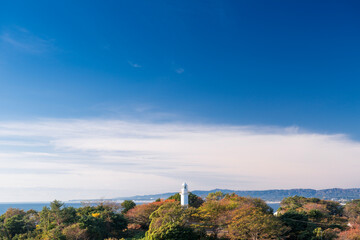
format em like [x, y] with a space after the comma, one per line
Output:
[253, 73]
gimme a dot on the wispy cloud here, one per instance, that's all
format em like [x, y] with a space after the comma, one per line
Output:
[135, 65]
[134, 111]
[23, 40]
[179, 70]
[148, 157]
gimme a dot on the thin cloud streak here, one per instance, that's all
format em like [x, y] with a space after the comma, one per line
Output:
[23, 40]
[125, 158]
[134, 65]
[179, 70]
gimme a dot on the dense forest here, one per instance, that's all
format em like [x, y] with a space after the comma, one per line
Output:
[218, 216]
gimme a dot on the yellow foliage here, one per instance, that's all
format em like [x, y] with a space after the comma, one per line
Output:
[95, 215]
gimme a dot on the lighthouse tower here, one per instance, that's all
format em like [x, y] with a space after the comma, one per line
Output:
[184, 195]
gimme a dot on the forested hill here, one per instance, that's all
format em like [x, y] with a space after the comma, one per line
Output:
[270, 195]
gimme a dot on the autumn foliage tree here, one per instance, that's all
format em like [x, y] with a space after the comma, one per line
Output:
[140, 214]
[352, 212]
[352, 233]
[250, 222]
[222, 218]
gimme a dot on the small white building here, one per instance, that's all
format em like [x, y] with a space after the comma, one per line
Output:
[184, 195]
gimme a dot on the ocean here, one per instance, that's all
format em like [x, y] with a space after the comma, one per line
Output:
[34, 206]
[274, 206]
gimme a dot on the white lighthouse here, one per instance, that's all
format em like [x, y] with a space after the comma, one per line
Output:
[184, 195]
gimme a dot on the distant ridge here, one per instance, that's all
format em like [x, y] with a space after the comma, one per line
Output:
[275, 195]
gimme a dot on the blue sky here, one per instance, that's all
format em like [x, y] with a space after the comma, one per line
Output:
[195, 65]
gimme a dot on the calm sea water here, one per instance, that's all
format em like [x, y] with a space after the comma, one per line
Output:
[274, 206]
[34, 206]
[39, 206]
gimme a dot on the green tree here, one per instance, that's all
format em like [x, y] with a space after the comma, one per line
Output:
[127, 205]
[15, 225]
[15, 222]
[54, 219]
[299, 225]
[101, 222]
[172, 222]
[215, 196]
[173, 231]
[75, 232]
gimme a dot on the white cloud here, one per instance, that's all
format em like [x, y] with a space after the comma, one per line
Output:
[122, 158]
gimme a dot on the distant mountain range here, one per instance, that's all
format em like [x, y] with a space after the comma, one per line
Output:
[337, 194]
